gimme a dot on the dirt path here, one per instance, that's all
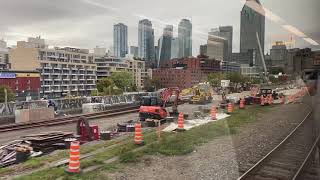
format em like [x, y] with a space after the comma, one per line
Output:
[224, 157]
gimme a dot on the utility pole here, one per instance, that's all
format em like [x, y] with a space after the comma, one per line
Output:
[6, 99]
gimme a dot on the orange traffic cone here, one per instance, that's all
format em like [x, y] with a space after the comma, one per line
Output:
[74, 159]
[213, 113]
[230, 108]
[138, 134]
[180, 122]
[261, 100]
[241, 105]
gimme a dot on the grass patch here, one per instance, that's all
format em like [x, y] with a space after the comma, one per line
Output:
[6, 171]
[170, 144]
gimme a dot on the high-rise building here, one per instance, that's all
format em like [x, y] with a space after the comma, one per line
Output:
[134, 51]
[244, 57]
[64, 71]
[203, 49]
[156, 55]
[185, 38]
[120, 40]
[225, 32]
[146, 41]
[4, 55]
[278, 54]
[175, 48]
[252, 22]
[217, 47]
[165, 44]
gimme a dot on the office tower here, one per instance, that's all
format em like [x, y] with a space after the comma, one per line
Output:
[165, 44]
[120, 40]
[225, 32]
[175, 48]
[185, 38]
[134, 50]
[146, 41]
[252, 22]
[217, 47]
[203, 49]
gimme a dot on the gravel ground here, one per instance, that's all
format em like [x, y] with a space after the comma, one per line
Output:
[103, 123]
[225, 157]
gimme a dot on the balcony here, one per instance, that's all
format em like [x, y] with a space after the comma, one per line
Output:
[52, 56]
[57, 67]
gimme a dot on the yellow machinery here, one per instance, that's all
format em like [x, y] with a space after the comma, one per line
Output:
[202, 93]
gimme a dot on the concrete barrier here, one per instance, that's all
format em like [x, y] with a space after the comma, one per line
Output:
[33, 115]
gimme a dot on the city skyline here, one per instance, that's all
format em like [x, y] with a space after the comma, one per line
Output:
[79, 29]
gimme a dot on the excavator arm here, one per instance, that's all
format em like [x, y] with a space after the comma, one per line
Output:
[167, 93]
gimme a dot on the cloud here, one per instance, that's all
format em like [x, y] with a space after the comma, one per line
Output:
[87, 23]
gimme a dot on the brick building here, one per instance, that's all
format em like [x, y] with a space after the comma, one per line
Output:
[23, 83]
[185, 73]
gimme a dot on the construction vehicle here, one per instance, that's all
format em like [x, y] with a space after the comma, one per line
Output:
[153, 106]
[202, 94]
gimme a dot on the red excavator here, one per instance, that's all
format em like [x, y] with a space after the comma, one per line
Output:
[153, 106]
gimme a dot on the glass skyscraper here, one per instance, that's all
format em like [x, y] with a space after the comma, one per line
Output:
[146, 41]
[252, 22]
[185, 38]
[120, 40]
[225, 32]
[165, 44]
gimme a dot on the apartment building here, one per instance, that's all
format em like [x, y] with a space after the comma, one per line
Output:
[106, 65]
[64, 71]
[138, 69]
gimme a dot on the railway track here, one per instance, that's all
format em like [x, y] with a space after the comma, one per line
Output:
[114, 111]
[290, 158]
[70, 119]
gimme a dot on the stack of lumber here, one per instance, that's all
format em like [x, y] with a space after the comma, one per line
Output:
[8, 151]
[49, 141]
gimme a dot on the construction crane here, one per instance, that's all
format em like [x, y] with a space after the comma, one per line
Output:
[266, 78]
[153, 106]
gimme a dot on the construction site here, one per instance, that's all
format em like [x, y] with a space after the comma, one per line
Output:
[168, 134]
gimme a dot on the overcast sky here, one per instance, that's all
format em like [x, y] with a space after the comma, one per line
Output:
[89, 23]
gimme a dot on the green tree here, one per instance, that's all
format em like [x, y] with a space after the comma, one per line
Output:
[151, 84]
[106, 86]
[104, 83]
[123, 80]
[10, 94]
[215, 79]
[112, 90]
[236, 78]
